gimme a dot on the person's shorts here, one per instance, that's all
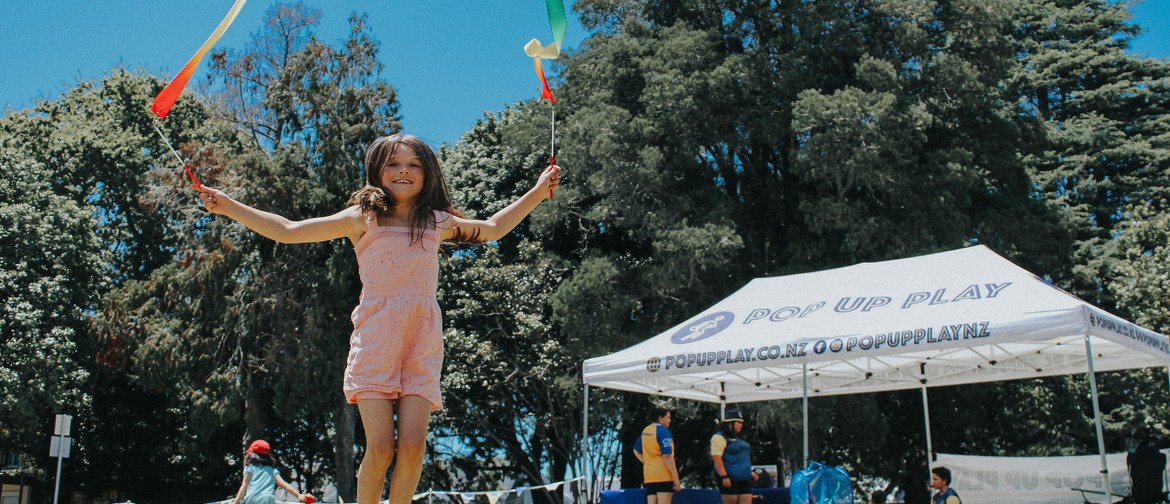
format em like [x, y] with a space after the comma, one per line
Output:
[738, 487]
[659, 487]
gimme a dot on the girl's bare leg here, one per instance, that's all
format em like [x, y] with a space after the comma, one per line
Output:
[414, 413]
[378, 422]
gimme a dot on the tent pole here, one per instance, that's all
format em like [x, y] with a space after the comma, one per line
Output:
[926, 418]
[587, 470]
[1097, 421]
[722, 401]
[804, 412]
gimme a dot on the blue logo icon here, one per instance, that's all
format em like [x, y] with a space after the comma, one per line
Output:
[819, 347]
[703, 328]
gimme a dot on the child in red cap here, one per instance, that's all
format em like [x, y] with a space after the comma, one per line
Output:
[261, 477]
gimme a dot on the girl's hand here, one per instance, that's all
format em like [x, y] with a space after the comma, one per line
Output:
[549, 180]
[214, 200]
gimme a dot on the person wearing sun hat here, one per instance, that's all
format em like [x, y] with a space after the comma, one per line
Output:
[261, 477]
[732, 458]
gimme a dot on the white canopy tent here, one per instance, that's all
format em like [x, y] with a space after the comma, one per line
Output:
[958, 317]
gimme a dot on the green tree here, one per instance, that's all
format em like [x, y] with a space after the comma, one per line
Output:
[507, 391]
[1099, 137]
[95, 142]
[1099, 120]
[512, 403]
[1140, 282]
[1142, 279]
[50, 268]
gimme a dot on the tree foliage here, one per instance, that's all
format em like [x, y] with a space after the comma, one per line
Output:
[50, 267]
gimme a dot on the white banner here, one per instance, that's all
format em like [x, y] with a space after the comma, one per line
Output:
[1036, 480]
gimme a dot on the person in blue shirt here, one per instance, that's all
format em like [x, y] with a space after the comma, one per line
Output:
[732, 457]
[261, 477]
[655, 450]
[940, 479]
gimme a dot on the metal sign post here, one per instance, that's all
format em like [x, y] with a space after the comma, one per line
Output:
[59, 447]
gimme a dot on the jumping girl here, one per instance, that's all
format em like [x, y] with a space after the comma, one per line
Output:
[395, 223]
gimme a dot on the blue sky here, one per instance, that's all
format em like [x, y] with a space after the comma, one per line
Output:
[450, 60]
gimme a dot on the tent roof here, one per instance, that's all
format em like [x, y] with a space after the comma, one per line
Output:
[963, 316]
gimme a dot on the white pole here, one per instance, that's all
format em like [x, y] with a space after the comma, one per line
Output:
[722, 401]
[57, 483]
[585, 440]
[1097, 421]
[926, 418]
[804, 419]
[61, 427]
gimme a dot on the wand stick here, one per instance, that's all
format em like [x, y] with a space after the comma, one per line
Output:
[196, 184]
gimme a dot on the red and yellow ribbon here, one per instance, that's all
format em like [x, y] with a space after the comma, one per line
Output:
[545, 92]
[166, 98]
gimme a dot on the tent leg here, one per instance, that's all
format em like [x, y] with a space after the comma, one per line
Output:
[722, 401]
[587, 470]
[926, 418]
[1097, 421]
[804, 412]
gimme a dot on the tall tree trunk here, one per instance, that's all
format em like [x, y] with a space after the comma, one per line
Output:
[343, 453]
[560, 466]
[256, 409]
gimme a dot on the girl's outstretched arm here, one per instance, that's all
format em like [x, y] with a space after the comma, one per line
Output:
[288, 488]
[347, 223]
[243, 488]
[500, 224]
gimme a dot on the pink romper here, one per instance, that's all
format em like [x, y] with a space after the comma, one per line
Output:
[396, 348]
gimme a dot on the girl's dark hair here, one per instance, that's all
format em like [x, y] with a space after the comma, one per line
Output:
[253, 458]
[373, 198]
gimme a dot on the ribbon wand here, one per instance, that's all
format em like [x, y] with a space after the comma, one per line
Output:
[198, 186]
[558, 23]
[534, 48]
[166, 98]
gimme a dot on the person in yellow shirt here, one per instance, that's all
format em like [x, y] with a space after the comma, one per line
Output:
[655, 450]
[731, 456]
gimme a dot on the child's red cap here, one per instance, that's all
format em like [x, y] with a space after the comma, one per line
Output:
[260, 447]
